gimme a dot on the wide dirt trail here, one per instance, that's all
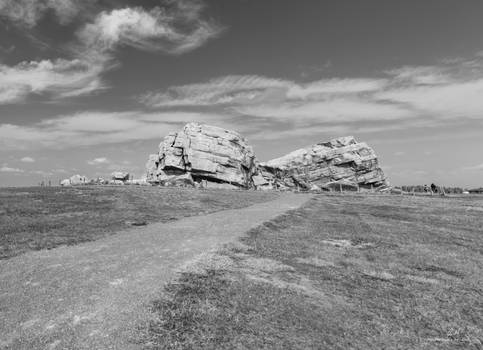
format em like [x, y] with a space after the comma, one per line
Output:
[91, 296]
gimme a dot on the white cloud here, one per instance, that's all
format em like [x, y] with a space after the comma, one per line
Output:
[331, 110]
[478, 167]
[42, 173]
[97, 161]
[59, 77]
[27, 160]
[6, 169]
[29, 12]
[321, 88]
[457, 99]
[254, 89]
[446, 92]
[173, 30]
[95, 128]
[154, 30]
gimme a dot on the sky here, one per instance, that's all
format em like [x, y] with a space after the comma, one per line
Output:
[92, 86]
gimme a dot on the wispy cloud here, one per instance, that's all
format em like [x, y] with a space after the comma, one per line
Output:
[42, 173]
[60, 78]
[176, 29]
[94, 128]
[97, 161]
[255, 90]
[448, 91]
[27, 160]
[477, 167]
[6, 169]
[29, 12]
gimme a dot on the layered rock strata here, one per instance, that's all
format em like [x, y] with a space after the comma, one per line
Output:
[203, 155]
[326, 165]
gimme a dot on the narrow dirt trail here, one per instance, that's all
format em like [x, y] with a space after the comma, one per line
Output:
[91, 296]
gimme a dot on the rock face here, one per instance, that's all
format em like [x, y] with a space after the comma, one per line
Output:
[326, 165]
[203, 155]
[208, 156]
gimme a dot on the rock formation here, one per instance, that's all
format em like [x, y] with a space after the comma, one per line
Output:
[208, 156]
[326, 165]
[120, 176]
[75, 180]
[203, 155]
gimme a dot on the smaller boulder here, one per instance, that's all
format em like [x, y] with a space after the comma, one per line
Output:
[78, 180]
[120, 176]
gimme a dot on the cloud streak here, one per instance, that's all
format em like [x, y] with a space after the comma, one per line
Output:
[6, 169]
[60, 78]
[98, 161]
[442, 93]
[94, 128]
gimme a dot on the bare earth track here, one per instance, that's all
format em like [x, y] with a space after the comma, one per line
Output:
[91, 296]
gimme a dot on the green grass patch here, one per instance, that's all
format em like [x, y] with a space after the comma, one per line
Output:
[43, 218]
[343, 272]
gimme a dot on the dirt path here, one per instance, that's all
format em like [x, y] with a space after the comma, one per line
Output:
[91, 296]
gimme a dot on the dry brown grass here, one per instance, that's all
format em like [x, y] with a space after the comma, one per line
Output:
[343, 272]
[44, 218]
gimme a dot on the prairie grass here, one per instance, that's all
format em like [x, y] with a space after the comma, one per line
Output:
[342, 272]
[43, 218]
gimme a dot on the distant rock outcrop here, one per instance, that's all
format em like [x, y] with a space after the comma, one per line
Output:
[208, 156]
[120, 176]
[341, 162]
[203, 155]
[75, 180]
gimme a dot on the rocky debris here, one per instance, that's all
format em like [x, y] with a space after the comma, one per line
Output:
[204, 156]
[75, 180]
[211, 157]
[342, 162]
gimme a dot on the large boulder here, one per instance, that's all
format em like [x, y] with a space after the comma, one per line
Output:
[342, 162]
[200, 155]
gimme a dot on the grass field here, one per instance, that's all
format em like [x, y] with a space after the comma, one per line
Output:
[343, 272]
[43, 218]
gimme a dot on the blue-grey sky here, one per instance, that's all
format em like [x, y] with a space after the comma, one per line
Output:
[92, 86]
